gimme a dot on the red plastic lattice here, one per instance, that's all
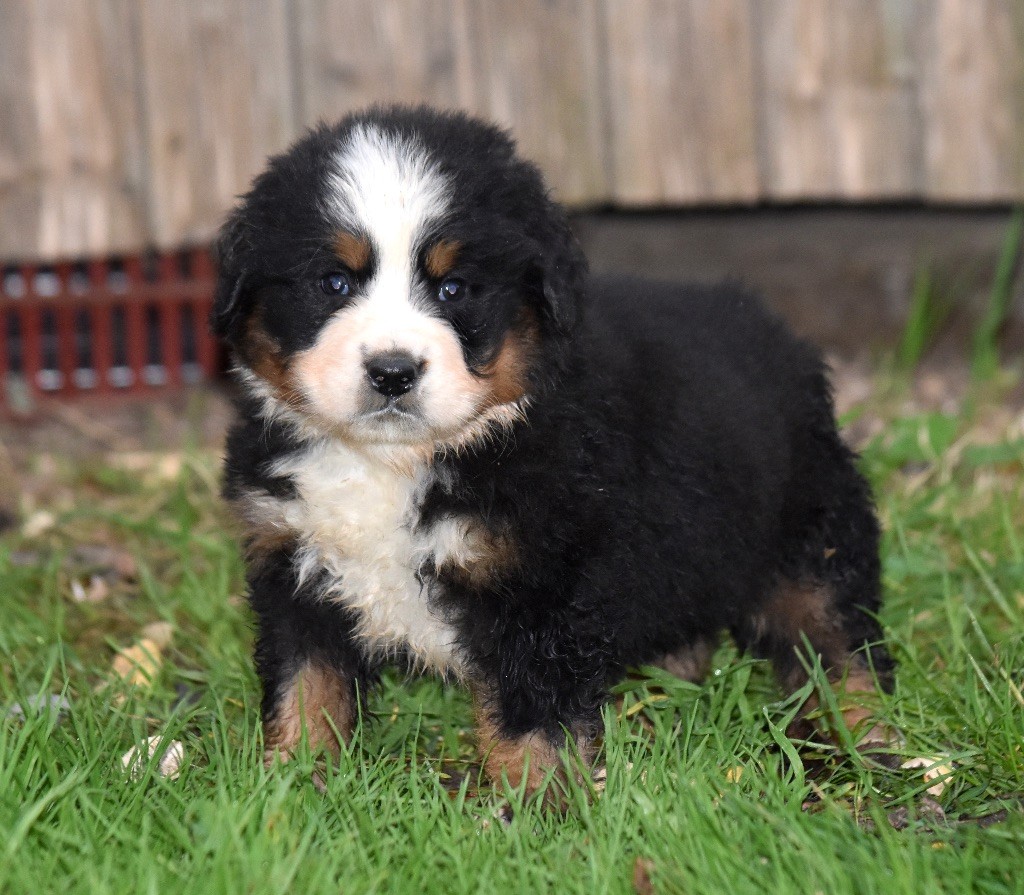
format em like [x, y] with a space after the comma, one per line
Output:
[104, 327]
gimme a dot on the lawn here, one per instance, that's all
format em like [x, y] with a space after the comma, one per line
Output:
[703, 792]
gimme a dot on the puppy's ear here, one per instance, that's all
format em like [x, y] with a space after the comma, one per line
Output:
[563, 273]
[229, 299]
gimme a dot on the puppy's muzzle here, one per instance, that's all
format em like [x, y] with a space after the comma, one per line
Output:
[393, 374]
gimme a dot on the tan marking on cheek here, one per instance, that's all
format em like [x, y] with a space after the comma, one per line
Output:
[353, 251]
[263, 356]
[507, 375]
[442, 257]
[319, 700]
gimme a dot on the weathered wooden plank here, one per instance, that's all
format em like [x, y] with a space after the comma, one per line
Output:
[531, 65]
[218, 99]
[19, 136]
[71, 151]
[126, 122]
[351, 53]
[973, 100]
[537, 69]
[838, 109]
[681, 101]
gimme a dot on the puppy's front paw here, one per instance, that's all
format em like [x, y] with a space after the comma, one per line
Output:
[317, 703]
[534, 762]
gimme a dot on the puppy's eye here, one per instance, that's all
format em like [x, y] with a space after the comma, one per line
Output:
[452, 289]
[336, 283]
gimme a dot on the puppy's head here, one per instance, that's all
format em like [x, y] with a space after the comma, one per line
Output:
[400, 278]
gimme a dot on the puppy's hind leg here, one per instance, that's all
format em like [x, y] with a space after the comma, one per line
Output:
[827, 596]
[801, 623]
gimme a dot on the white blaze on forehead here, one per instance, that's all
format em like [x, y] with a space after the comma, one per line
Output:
[387, 186]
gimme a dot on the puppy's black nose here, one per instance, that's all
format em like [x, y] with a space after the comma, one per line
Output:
[393, 374]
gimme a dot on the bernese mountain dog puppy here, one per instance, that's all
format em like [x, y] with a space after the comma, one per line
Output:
[458, 450]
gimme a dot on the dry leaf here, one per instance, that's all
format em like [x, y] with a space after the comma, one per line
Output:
[137, 665]
[503, 814]
[643, 703]
[40, 522]
[37, 705]
[733, 775]
[935, 768]
[642, 883]
[155, 466]
[98, 590]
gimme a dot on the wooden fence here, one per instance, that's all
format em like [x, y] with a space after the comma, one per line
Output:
[126, 123]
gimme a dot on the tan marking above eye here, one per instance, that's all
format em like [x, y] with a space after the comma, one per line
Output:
[353, 251]
[442, 256]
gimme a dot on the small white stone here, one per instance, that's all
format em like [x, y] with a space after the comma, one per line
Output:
[172, 760]
[172, 757]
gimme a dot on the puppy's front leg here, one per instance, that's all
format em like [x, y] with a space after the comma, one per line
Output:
[532, 754]
[307, 663]
[538, 698]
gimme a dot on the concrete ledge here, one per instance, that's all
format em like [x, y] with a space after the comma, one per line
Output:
[842, 276]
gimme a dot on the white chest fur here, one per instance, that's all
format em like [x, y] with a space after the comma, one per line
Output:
[355, 517]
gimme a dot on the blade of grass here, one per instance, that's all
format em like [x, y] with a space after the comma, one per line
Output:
[985, 348]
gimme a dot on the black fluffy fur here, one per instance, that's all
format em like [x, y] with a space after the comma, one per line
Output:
[680, 464]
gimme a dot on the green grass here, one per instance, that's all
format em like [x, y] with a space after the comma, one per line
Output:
[985, 343]
[933, 300]
[928, 311]
[702, 786]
